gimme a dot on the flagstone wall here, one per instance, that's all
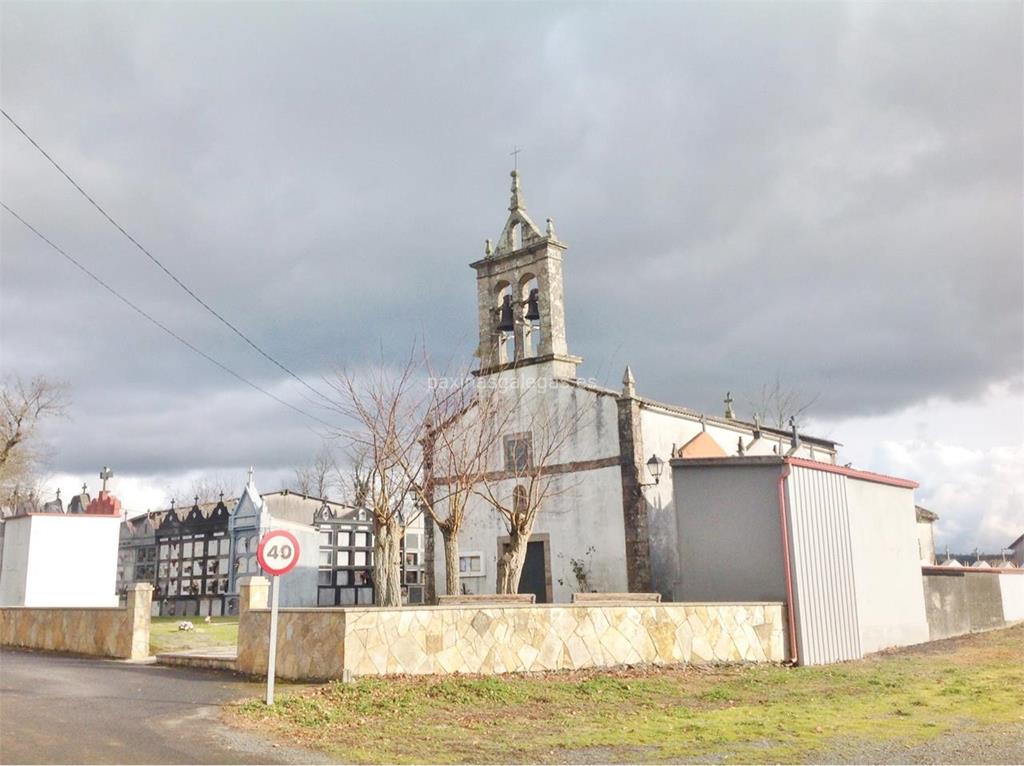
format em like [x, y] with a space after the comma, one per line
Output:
[106, 632]
[315, 644]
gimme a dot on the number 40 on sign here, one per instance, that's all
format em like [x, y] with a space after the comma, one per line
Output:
[278, 554]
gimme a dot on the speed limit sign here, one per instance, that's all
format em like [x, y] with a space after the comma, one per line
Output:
[278, 552]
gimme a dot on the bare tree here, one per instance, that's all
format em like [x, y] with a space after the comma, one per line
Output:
[23, 407]
[778, 401]
[358, 483]
[320, 476]
[461, 427]
[209, 489]
[545, 423]
[387, 408]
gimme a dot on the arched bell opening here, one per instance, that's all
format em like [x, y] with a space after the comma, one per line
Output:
[505, 325]
[529, 297]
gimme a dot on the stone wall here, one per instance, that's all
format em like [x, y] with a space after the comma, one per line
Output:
[315, 644]
[104, 632]
[959, 601]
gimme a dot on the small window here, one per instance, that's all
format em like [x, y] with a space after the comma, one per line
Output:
[412, 540]
[326, 538]
[471, 565]
[411, 559]
[362, 539]
[326, 558]
[518, 452]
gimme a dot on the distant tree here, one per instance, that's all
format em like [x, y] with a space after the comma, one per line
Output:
[320, 476]
[210, 488]
[779, 401]
[24, 405]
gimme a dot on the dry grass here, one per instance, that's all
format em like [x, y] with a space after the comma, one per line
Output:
[717, 713]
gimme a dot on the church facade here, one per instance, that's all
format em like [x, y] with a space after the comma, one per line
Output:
[609, 524]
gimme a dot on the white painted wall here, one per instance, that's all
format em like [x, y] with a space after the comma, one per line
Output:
[926, 542]
[584, 520]
[1012, 588]
[60, 560]
[887, 567]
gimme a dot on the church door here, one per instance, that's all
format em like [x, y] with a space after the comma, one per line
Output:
[534, 576]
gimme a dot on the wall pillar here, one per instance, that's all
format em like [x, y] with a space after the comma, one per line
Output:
[253, 593]
[140, 609]
[634, 504]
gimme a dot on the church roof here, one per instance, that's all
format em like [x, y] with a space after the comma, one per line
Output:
[735, 424]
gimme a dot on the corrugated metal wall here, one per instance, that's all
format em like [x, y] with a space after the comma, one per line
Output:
[822, 566]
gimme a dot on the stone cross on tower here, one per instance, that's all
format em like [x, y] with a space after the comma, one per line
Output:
[728, 406]
[105, 474]
[515, 157]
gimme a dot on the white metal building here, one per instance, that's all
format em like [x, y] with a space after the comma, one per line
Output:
[839, 546]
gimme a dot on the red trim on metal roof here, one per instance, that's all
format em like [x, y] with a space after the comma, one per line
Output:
[878, 478]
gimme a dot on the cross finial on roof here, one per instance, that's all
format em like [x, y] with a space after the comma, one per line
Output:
[58, 493]
[515, 156]
[251, 471]
[728, 406]
[222, 497]
[172, 505]
[84, 487]
[517, 196]
[703, 422]
[196, 499]
[105, 474]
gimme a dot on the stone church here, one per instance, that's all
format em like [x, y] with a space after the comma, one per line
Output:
[611, 526]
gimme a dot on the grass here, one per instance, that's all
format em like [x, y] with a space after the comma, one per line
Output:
[762, 713]
[164, 635]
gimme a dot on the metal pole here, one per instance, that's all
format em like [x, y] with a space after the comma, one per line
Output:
[272, 657]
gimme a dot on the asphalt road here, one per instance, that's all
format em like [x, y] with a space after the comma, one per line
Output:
[61, 709]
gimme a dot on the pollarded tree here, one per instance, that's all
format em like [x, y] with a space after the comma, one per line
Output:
[463, 423]
[386, 406]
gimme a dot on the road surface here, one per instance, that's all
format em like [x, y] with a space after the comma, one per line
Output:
[61, 709]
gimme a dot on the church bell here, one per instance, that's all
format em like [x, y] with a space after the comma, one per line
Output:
[506, 323]
[532, 306]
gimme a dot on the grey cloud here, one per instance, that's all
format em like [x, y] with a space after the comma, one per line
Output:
[829, 190]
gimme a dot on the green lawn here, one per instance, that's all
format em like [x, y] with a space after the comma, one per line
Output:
[747, 714]
[164, 635]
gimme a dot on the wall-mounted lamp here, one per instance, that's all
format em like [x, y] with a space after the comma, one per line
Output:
[656, 466]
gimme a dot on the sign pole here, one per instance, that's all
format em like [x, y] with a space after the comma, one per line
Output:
[272, 657]
[277, 554]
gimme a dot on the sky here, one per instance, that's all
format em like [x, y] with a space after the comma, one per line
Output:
[825, 193]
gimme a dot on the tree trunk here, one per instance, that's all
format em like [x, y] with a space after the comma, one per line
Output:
[387, 563]
[510, 565]
[452, 581]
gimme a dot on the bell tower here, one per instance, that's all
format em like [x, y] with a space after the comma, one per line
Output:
[520, 303]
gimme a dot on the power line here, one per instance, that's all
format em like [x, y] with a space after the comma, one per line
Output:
[157, 322]
[157, 261]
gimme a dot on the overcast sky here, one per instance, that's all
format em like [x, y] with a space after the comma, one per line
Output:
[826, 192]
